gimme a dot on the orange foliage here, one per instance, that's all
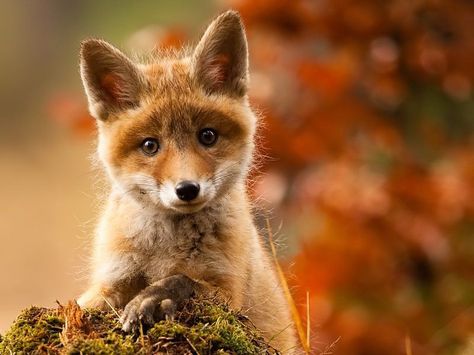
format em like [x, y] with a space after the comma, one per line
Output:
[368, 116]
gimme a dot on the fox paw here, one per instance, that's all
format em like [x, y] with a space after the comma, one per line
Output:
[158, 301]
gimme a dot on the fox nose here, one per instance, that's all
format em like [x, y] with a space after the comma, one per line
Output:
[187, 190]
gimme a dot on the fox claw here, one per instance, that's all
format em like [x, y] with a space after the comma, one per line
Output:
[144, 310]
[157, 302]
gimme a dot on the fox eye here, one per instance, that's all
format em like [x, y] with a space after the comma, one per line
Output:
[207, 136]
[150, 146]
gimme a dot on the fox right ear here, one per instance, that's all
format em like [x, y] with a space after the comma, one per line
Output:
[220, 59]
[112, 81]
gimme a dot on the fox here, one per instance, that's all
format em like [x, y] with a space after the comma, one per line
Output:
[176, 138]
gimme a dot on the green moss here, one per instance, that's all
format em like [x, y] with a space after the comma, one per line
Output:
[35, 330]
[111, 344]
[212, 328]
[201, 327]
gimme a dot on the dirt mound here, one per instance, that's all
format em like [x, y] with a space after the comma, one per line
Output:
[202, 327]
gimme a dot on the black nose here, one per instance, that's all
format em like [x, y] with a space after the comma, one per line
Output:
[187, 190]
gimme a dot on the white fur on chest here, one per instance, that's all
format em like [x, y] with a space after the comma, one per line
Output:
[167, 244]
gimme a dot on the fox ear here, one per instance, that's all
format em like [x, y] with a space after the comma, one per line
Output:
[220, 60]
[111, 81]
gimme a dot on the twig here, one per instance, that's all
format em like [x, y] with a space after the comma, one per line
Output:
[191, 345]
[308, 322]
[142, 337]
[110, 305]
[289, 298]
[408, 350]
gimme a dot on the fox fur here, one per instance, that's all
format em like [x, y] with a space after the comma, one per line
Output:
[152, 249]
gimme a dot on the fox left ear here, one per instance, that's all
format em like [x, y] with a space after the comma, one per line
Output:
[112, 81]
[220, 60]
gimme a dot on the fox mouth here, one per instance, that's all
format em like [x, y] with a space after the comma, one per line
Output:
[188, 207]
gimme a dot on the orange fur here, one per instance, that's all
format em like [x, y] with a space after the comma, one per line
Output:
[145, 233]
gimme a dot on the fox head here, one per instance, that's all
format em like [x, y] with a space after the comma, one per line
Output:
[176, 133]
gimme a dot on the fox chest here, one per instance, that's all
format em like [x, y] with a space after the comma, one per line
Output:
[189, 244]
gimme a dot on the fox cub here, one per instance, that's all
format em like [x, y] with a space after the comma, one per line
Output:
[176, 139]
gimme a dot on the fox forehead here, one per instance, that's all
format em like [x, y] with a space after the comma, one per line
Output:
[169, 73]
[173, 105]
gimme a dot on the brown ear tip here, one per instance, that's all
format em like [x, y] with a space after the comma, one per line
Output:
[92, 45]
[231, 15]
[91, 42]
[231, 12]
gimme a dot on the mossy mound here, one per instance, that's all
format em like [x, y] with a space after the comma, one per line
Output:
[202, 327]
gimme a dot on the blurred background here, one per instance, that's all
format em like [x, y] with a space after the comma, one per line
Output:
[367, 145]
